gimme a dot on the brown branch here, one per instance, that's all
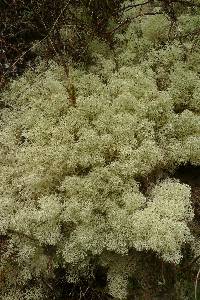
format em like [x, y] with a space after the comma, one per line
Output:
[40, 41]
[196, 283]
[130, 6]
[70, 86]
[189, 265]
[128, 20]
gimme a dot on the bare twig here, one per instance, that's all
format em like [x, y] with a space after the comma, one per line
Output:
[130, 6]
[189, 265]
[128, 20]
[70, 86]
[183, 2]
[39, 42]
[196, 284]
[47, 284]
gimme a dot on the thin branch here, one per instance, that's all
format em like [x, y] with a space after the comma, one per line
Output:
[195, 259]
[128, 20]
[189, 265]
[130, 6]
[39, 42]
[196, 284]
[62, 11]
[70, 86]
[47, 284]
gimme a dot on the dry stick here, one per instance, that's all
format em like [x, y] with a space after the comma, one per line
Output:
[130, 6]
[189, 265]
[196, 283]
[24, 53]
[128, 20]
[39, 42]
[70, 85]
[184, 2]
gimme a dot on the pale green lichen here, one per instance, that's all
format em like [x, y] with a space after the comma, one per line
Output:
[70, 176]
